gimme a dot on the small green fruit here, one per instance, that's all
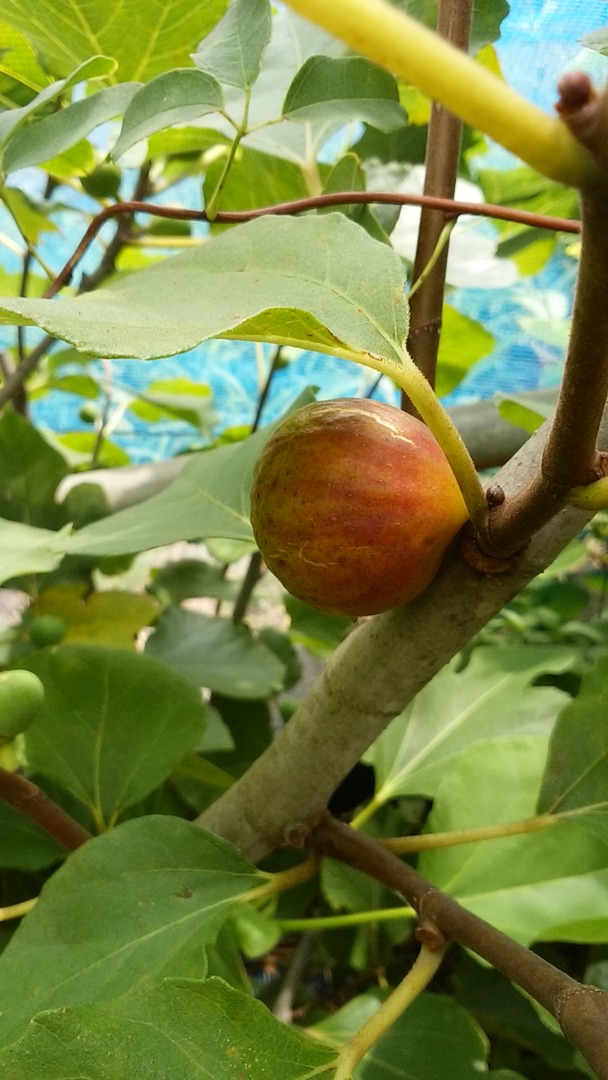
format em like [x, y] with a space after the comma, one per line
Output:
[103, 182]
[89, 412]
[353, 505]
[21, 699]
[47, 630]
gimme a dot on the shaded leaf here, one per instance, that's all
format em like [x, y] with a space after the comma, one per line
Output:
[120, 911]
[233, 50]
[434, 1039]
[216, 653]
[179, 1030]
[22, 844]
[30, 472]
[144, 41]
[492, 697]
[171, 98]
[26, 550]
[346, 88]
[113, 724]
[288, 281]
[59, 132]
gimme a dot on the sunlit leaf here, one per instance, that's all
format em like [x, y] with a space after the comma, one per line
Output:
[93, 68]
[145, 40]
[493, 697]
[233, 50]
[529, 886]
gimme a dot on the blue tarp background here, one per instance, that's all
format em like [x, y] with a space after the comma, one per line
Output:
[539, 41]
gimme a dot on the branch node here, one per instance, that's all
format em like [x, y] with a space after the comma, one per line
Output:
[429, 935]
[482, 561]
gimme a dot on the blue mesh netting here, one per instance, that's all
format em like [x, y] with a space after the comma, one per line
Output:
[539, 41]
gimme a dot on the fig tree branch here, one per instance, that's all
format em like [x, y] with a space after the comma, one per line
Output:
[441, 161]
[30, 801]
[570, 458]
[581, 1011]
[453, 207]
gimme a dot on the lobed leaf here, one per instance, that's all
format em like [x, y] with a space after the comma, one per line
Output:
[145, 40]
[113, 724]
[140, 900]
[178, 1030]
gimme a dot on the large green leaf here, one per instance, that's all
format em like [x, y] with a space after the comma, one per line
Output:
[344, 89]
[178, 1030]
[546, 885]
[233, 50]
[217, 654]
[577, 768]
[63, 129]
[319, 280]
[130, 905]
[172, 98]
[144, 39]
[113, 724]
[493, 697]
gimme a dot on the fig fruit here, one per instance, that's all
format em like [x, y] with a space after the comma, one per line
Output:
[21, 700]
[353, 504]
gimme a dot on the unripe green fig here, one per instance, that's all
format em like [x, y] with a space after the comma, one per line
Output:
[353, 504]
[103, 182]
[21, 699]
[47, 630]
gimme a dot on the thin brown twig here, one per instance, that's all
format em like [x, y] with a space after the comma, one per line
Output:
[581, 1011]
[441, 161]
[30, 801]
[455, 207]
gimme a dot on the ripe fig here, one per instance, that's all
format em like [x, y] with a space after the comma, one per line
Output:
[353, 504]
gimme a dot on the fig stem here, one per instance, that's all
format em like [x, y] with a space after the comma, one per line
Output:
[409, 379]
[591, 496]
[416, 980]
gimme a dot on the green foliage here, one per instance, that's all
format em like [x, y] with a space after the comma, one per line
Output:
[149, 693]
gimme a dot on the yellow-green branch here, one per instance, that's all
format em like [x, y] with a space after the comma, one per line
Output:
[403, 46]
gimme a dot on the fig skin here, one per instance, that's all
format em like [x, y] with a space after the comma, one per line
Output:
[353, 504]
